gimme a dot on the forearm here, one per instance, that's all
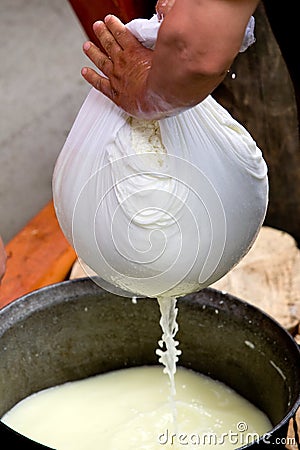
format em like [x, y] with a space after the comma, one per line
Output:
[197, 43]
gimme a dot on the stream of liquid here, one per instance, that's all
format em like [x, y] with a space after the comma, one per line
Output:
[168, 351]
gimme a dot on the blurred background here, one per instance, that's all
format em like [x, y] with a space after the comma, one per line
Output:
[41, 90]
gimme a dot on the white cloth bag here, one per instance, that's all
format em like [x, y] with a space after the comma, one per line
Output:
[156, 222]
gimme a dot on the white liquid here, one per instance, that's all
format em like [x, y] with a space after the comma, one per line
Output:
[129, 409]
[168, 352]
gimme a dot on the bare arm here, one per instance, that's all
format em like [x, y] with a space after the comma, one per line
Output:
[196, 44]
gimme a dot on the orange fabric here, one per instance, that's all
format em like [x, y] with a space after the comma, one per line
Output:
[89, 11]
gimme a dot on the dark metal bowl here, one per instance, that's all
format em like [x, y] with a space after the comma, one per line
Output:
[74, 329]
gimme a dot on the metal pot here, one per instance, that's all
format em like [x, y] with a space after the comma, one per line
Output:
[74, 329]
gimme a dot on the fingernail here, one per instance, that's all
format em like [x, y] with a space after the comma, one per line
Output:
[108, 17]
[97, 24]
[86, 46]
[84, 71]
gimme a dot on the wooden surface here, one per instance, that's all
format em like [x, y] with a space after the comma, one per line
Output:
[37, 256]
[291, 433]
[269, 277]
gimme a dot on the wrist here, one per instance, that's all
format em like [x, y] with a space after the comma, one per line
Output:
[162, 108]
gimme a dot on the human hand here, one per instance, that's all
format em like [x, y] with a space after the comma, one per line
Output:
[125, 66]
[2, 259]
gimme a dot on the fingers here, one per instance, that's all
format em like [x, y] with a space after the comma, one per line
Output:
[114, 38]
[119, 37]
[119, 50]
[106, 39]
[100, 83]
[99, 58]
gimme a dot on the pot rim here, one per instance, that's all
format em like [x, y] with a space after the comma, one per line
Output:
[29, 303]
